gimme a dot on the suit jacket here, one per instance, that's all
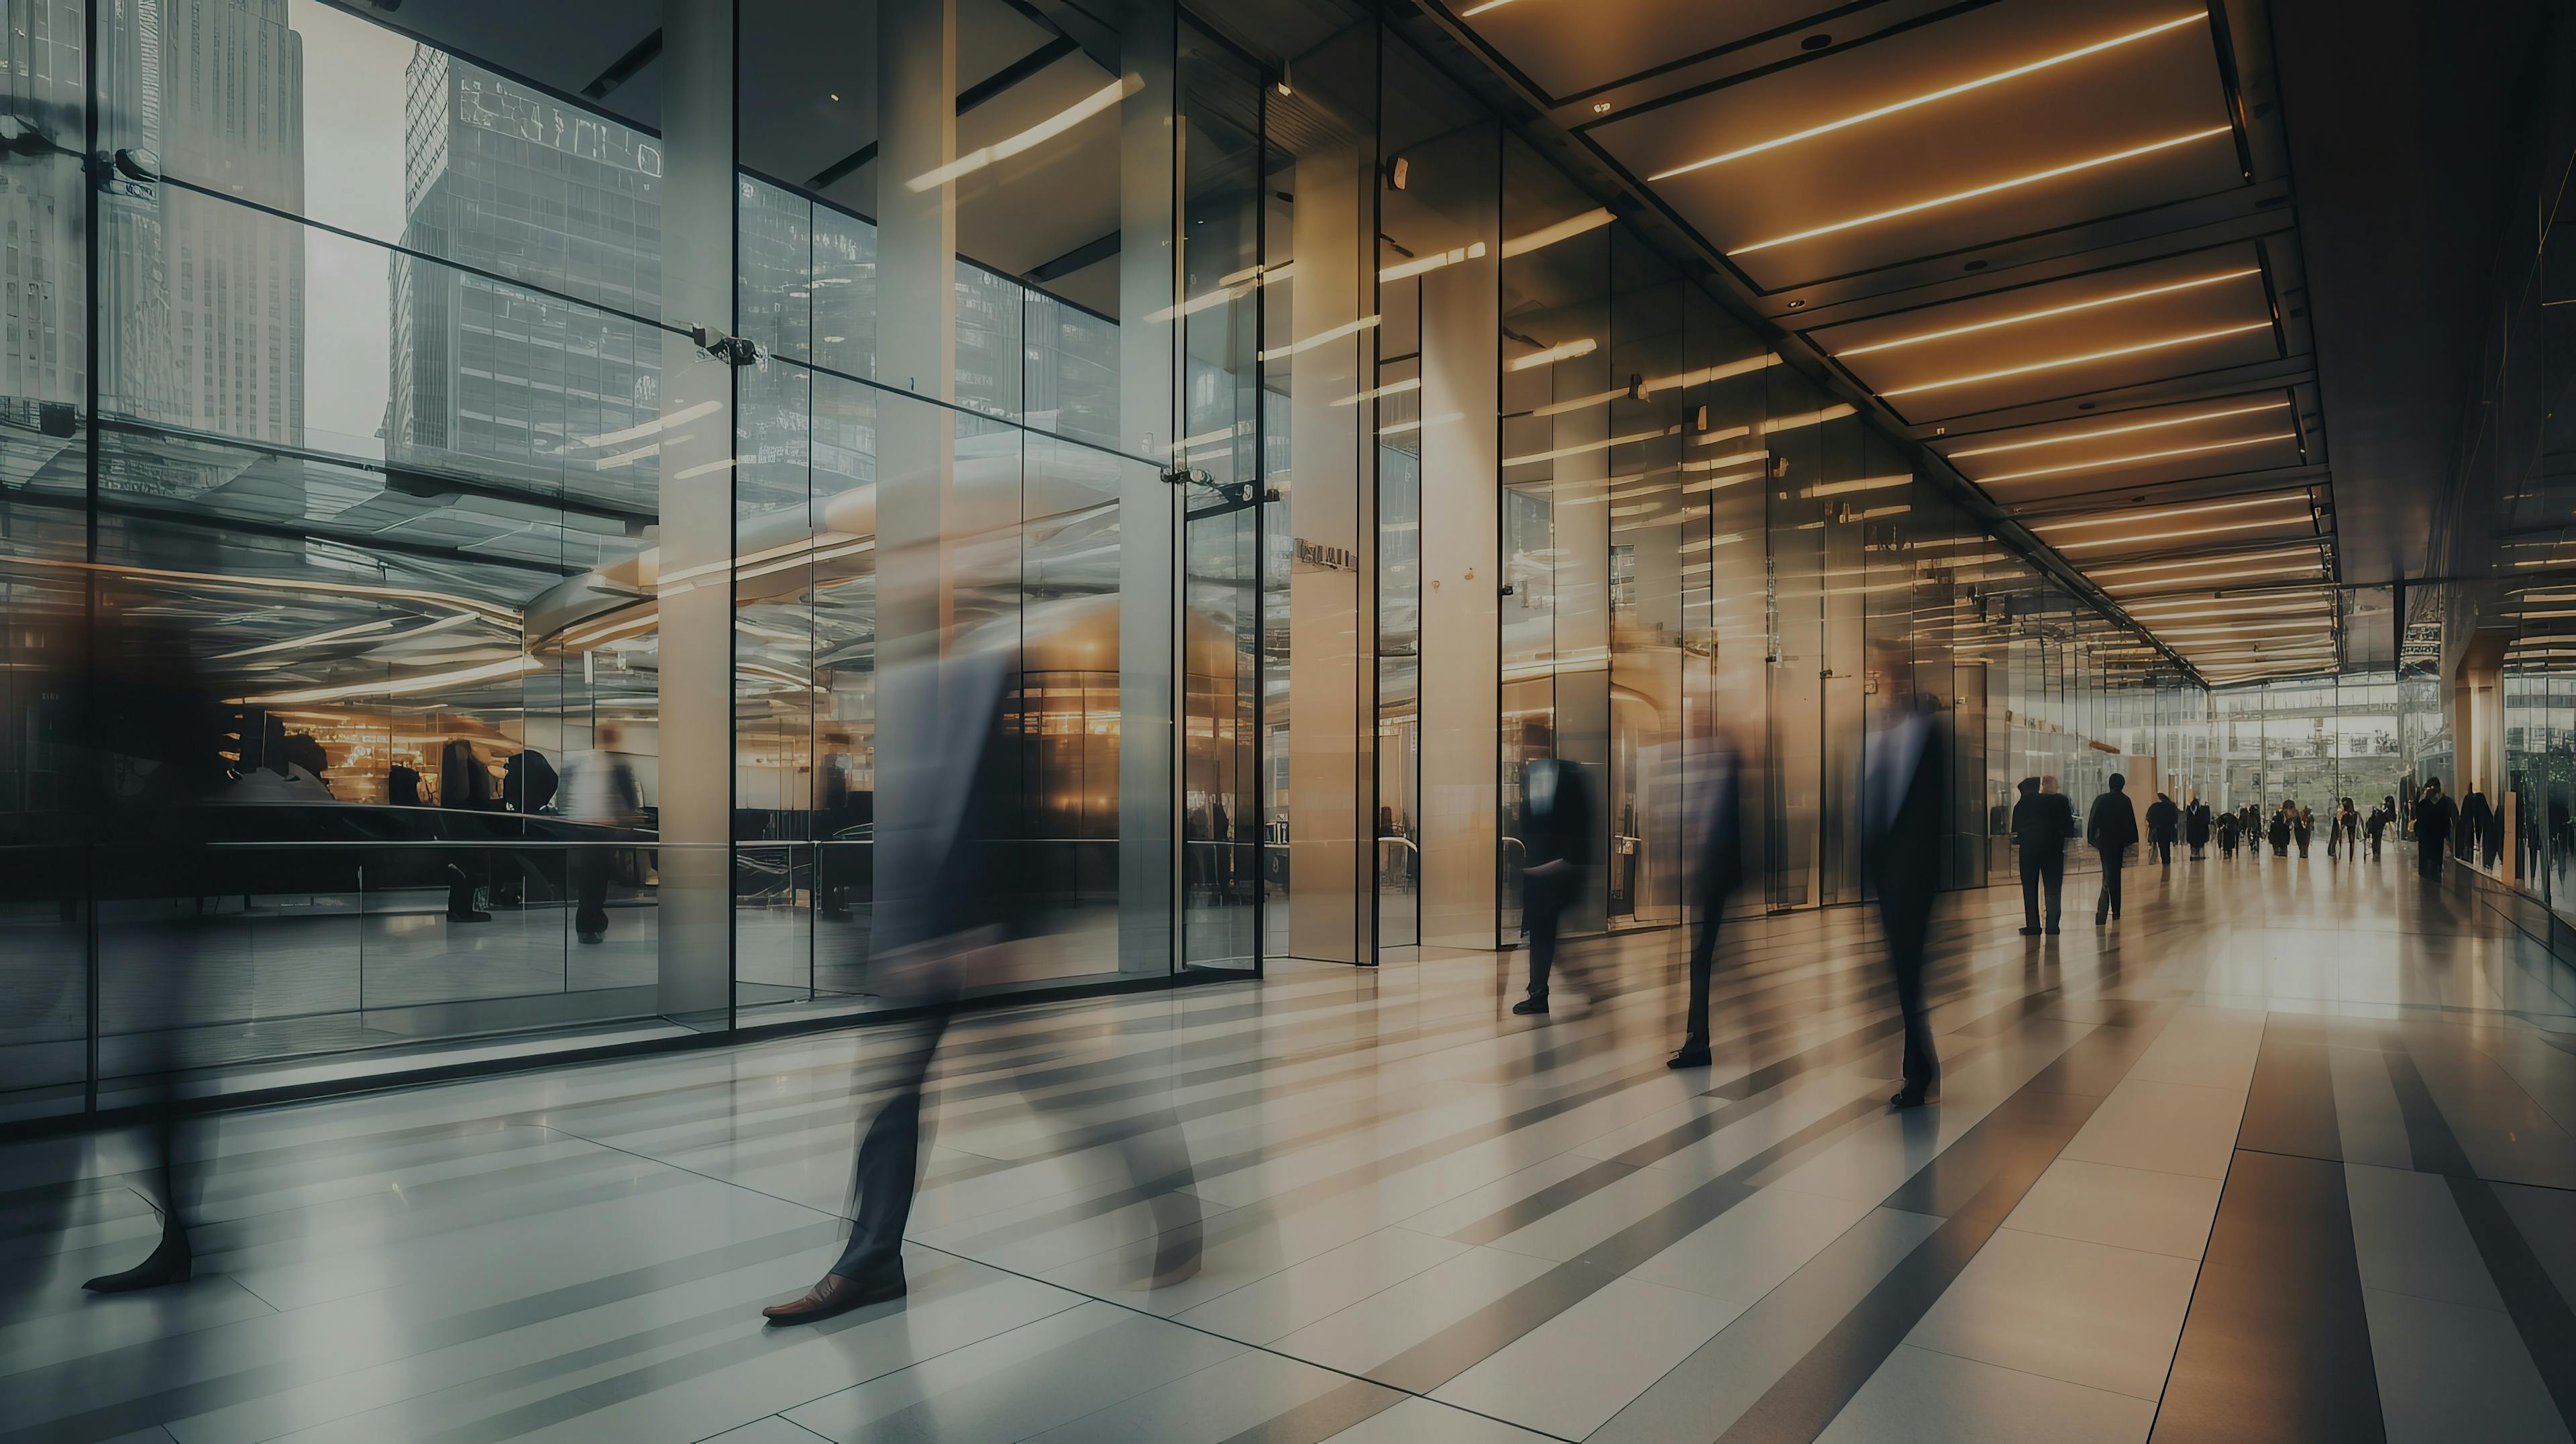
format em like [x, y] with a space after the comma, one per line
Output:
[1721, 844]
[2433, 818]
[2195, 822]
[1905, 787]
[1556, 813]
[2043, 822]
[2112, 825]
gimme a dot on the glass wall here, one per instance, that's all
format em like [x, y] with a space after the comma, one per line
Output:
[500, 560]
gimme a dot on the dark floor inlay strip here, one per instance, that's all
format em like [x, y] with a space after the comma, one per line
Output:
[1976, 1182]
[2291, 1106]
[2275, 1346]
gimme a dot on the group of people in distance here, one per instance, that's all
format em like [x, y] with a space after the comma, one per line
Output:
[2043, 822]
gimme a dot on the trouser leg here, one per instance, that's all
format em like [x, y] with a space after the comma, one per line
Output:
[889, 1161]
[2052, 873]
[2029, 890]
[1541, 901]
[1905, 941]
[1703, 961]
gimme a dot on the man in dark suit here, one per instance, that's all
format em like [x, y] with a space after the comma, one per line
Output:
[2434, 815]
[2042, 822]
[2162, 817]
[1719, 868]
[1557, 846]
[2112, 828]
[1904, 779]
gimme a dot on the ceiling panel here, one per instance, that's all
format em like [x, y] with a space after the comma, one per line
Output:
[1568, 48]
[2169, 317]
[2016, 118]
[2134, 451]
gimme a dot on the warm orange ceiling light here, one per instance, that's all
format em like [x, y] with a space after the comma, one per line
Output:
[1992, 188]
[2045, 313]
[2160, 514]
[2159, 344]
[2117, 430]
[2157, 536]
[2133, 458]
[2276, 554]
[1927, 98]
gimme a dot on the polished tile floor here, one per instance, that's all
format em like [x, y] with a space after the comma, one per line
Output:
[2285, 1154]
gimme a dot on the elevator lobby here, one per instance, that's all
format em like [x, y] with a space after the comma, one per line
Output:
[1226, 720]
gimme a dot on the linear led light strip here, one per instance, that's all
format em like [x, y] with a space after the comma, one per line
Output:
[1866, 483]
[1567, 351]
[2276, 554]
[1036, 135]
[1974, 192]
[1588, 446]
[1395, 388]
[2115, 518]
[2159, 344]
[2194, 583]
[2042, 315]
[2157, 536]
[1473, 250]
[2235, 444]
[1347, 328]
[518, 666]
[1898, 107]
[2096, 435]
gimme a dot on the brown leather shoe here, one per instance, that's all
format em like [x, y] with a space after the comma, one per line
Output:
[838, 1294]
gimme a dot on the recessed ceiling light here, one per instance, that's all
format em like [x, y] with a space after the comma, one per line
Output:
[1797, 305]
[1896, 107]
[1600, 107]
[1991, 188]
[2087, 358]
[1947, 332]
[2117, 430]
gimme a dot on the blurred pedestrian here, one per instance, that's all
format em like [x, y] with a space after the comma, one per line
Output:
[1556, 832]
[1718, 869]
[1904, 773]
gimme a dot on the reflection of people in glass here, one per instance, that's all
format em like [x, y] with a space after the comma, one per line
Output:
[599, 788]
[1556, 833]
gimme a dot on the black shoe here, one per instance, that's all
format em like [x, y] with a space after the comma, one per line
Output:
[170, 1263]
[2030, 932]
[2052, 930]
[593, 937]
[838, 1294]
[1909, 1097]
[1535, 1003]
[1692, 1055]
[2100, 918]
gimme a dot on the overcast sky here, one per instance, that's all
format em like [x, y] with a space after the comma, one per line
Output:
[353, 179]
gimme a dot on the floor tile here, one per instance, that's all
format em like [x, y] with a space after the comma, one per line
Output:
[1571, 1374]
[1919, 1396]
[2083, 1312]
[2134, 1208]
[2448, 1373]
[2163, 1127]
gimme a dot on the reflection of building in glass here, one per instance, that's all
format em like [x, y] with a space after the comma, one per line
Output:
[208, 298]
[503, 179]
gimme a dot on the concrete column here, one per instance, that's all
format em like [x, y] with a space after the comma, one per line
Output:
[695, 647]
[1332, 747]
[916, 449]
[1462, 572]
[1149, 507]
